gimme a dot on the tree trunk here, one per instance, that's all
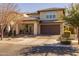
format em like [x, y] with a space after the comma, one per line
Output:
[1, 32]
[78, 34]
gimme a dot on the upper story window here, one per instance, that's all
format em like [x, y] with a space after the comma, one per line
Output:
[51, 15]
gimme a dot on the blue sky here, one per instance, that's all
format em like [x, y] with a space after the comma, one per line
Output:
[32, 7]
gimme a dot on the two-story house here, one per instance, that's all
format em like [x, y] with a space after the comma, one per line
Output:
[43, 22]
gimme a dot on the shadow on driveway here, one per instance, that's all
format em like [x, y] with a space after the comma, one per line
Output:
[45, 50]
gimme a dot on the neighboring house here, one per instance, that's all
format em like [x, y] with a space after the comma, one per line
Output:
[43, 22]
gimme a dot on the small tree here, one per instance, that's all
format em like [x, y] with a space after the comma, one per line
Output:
[8, 13]
[73, 17]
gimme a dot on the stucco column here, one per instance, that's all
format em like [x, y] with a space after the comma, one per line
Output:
[61, 28]
[35, 28]
[39, 29]
[17, 29]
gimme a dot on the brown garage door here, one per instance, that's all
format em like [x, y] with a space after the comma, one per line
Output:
[50, 29]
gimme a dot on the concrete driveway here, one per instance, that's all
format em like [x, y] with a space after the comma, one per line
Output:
[11, 47]
[38, 40]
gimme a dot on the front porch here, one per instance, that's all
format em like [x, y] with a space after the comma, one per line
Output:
[27, 27]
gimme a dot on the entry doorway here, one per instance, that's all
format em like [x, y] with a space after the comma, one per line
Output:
[27, 29]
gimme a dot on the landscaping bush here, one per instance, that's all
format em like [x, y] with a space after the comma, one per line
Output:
[66, 42]
[65, 39]
[66, 34]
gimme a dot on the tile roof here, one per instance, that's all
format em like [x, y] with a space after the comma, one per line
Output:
[50, 9]
[28, 18]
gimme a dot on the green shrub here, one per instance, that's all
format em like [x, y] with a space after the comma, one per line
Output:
[65, 38]
[66, 42]
[66, 34]
[72, 30]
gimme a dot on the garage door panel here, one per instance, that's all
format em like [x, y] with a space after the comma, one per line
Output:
[50, 29]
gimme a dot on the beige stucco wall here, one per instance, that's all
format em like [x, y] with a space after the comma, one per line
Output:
[58, 13]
